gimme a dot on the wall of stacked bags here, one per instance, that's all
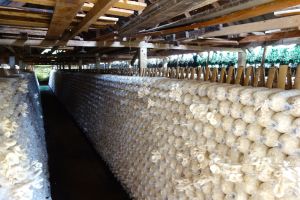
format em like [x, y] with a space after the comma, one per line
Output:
[23, 156]
[283, 77]
[187, 139]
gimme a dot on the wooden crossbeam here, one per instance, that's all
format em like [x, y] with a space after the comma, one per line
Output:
[77, 43]
[24, 15]
[271, 24]
[85, 7]
[126, 4]
[64, 13]
[100, 8]
[233, 17]
[270, 37]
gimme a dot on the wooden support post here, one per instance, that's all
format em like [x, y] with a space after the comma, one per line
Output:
[207, 74]
[80, 64]
[249, 72]
[98, 61]
[239, 75]
[271, 76]
[264, 57]
[142, 58]
[223, 75]
[289, 83]
[12, 62]
[242, 58]
[297, 78]
[192, 73]
[282, 76]
[230, 77]
[199, 73]
[214, 77]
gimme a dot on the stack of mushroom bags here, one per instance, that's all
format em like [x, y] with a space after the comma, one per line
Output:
[21, 176]
[183, 139]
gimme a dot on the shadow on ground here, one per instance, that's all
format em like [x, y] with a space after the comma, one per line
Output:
[76, 170]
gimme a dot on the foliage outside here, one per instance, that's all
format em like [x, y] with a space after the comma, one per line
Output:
[42, 72]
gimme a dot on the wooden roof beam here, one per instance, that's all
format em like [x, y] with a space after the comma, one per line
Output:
[100, 8]
[127, 4]
[64, 13]
[271, 37]
[77, 43]
[271, 24]
[85, 7]
[233, 17]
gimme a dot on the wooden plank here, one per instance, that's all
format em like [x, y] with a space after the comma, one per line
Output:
[289, 83]
[249, 71]
[192, 73]
[85, 7]
[262, 77]
[23, 23]
[233, 17]
[126, 4]
[271, 24]
[230, 76]
[120, 12]
[297, 78]
[271, 76]
[99, 9]
[283, 69]
[207, 74]
[130, 5]
[239, 76]
[214, 77]
[64, 13]
[223, 75]
[271, 37]
[199, 73]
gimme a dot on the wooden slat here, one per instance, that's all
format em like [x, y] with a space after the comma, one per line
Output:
[297, 78]
[120, 12]
[249, 71]
[283, 69]
[127, 4]
[199, 73]
[207, 74]
[271, 24]
[214, 77]
[233, 17]
[85, 7]
[271, 37]
[271, 76]
[239, 75]
[223, 75]
[23, 23]
[64, 13]
[230, 76]
[130, 5]
[100, 8]
[289, 83]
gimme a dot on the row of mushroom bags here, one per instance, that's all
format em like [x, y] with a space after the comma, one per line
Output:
[183, 139]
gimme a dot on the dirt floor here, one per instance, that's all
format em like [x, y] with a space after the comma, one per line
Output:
[76, 170]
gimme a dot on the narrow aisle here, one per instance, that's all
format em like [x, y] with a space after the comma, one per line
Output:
[76, 170]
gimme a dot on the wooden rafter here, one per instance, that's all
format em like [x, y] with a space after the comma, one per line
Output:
[271, 24]
[64, 13]
[76, 43]
[233, 17]
[100, 8]
[118, 10]
[271, 37]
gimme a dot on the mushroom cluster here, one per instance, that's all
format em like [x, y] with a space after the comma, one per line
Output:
[183, 139]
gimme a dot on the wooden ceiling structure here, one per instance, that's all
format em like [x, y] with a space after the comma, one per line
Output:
[115, 29]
